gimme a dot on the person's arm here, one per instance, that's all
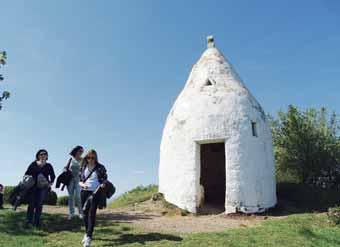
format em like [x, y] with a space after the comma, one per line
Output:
[103, 176]
[29, 170]
[52, 174]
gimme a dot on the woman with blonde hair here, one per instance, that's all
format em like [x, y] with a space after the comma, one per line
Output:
[92, 177]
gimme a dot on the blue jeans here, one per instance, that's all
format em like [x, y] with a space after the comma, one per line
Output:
[74, 196]
[35, 205]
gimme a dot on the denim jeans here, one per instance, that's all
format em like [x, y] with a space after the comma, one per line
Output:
[35, 205]
[74, 196]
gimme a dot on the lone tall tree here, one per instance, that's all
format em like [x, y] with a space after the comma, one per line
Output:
[3, 94]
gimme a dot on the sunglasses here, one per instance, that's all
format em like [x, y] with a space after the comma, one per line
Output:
[91, 158]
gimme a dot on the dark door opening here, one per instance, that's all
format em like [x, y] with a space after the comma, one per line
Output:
[213, 177]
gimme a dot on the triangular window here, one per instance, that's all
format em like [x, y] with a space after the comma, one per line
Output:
[208, 82]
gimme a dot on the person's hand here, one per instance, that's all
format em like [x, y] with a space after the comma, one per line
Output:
[82, 185]
[102, 186]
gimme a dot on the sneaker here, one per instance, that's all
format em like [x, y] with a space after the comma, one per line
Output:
[84, 238]
[87, 242]
[80, 216]
[69, 217]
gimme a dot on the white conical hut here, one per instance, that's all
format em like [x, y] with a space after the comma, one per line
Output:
[216, 149]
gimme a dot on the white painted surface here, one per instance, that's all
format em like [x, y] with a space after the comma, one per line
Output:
[222, 112]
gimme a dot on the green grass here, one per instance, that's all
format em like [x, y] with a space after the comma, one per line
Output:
[137, 195]
[300, 230]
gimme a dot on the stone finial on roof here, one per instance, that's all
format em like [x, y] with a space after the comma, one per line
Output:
[210, 40]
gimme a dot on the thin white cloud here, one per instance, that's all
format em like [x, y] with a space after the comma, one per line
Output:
[138, 172]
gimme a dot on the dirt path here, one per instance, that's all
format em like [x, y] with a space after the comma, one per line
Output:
[149, 218]
[188, 224]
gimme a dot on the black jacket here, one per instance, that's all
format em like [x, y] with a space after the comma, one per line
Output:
[47, 170]
[65, 177]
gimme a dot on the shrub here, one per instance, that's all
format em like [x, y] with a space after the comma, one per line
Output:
[51, 198]
[62, 201]
[307, 146]
[334, 215]
[7, 192]
[307, 197]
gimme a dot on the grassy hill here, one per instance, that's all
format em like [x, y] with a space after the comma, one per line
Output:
[137, 195]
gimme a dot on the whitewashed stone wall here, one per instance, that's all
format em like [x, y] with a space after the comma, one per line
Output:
[221, 112]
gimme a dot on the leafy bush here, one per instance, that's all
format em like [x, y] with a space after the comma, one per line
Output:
[306, 197]
[7, 192]
[51, 198]
[62, 201]
[307, 147]
[334, 215]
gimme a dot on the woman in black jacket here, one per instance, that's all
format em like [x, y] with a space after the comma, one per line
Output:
[44, 176]
[92, 177]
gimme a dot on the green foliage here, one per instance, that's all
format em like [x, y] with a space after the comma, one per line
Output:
[51, 198]
[307, 146]
[334, 215]
[137, 195]
[7, 192]
[62, 201]
[306, 198]
[5, 94]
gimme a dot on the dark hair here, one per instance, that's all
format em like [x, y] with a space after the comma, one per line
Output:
[75, 150]
[40, 152]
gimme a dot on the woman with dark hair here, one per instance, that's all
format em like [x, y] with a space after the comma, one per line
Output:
[92, 178]
[43, 174]
[73, 187]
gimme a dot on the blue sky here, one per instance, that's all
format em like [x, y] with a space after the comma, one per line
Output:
[104, 74]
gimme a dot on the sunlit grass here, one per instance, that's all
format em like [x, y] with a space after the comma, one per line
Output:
[296, 230]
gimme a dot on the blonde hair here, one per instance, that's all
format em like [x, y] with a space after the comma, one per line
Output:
[90, 152]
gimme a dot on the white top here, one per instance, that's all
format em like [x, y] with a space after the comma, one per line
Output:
[75, 168]
[92, 182]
